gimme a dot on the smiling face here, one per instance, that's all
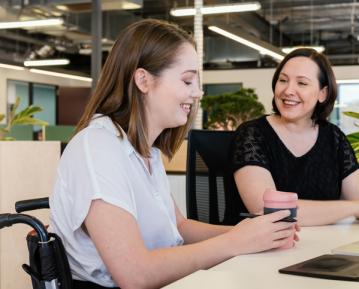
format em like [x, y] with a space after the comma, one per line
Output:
[171, 95]
[297, 90]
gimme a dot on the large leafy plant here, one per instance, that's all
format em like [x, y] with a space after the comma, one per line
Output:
[24, 117]
[354, 137]
[228, 110]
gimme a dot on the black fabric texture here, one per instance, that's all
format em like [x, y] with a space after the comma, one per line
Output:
[317, 175]
[49, 262]
[89, 285]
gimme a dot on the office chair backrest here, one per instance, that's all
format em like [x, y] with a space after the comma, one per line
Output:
[211, 192]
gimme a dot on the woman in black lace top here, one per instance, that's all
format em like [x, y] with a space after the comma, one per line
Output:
[296, 149]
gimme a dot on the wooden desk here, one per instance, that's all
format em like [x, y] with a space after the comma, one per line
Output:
[258, 271]
[178, 163]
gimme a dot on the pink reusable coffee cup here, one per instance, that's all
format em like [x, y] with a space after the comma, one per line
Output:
[276, 201]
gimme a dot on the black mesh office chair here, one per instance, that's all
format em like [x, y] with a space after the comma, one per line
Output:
[211, 192]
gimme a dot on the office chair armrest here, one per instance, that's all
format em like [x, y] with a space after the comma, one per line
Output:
[32, 204]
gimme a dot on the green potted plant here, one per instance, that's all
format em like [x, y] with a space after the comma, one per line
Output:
[354, 137]
[24, 117]
[227, 111]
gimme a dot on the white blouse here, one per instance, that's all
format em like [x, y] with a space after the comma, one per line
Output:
[99, 164]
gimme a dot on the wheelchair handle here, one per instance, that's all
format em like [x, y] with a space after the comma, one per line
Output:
[32, 204]
[7, 220]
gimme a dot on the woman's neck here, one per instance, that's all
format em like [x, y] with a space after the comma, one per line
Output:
[295, 126]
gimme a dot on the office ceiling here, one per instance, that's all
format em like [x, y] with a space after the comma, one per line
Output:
[331, 23]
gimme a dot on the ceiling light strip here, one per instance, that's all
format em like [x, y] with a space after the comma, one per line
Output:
[64, 75]
[246, 42]
[46, 72]
[32, 23]
[46, 62]
[14, 67]
[217, 9]
[287, 50]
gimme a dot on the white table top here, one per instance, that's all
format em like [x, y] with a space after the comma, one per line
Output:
[260, 271]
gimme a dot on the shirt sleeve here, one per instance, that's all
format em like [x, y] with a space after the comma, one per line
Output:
[248, 148]
[349, 163]
[98, 165]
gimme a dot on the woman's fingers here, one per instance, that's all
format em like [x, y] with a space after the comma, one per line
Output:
[277, 216]
[283, 234]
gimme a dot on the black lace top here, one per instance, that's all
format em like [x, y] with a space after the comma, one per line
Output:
[317, 175]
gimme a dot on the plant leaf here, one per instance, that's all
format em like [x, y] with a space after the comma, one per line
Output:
[30, 120]
[28, 111]
[228, 110]
[9, 138]
[2, 116]
[351, 114]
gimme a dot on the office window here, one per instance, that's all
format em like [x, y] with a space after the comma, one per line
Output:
[218, 88]
[348, 100]
[45, 97]
[19, 89]
[42, 95]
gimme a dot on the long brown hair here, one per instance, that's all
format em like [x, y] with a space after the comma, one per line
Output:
[149, 44]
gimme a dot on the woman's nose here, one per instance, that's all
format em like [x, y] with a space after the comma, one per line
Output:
[197, 93]
[290, 88]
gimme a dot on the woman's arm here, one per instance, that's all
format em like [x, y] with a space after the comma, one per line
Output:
[350, 186]
[194, 231]
[253, 180]
[118, 240]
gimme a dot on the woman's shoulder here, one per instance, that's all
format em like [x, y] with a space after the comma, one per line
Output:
[332, 129]
[100, 135]
[331, 133]
[256, 126]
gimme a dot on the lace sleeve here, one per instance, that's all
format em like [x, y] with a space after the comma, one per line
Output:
[349, 162]
[248, 148]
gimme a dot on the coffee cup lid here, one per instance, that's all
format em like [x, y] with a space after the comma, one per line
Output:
[279, 196]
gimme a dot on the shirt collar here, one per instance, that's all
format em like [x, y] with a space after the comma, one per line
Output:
[103, 121]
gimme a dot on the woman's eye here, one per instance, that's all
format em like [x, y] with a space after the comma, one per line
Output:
[187, 82]
[282, 80]
[302, 83]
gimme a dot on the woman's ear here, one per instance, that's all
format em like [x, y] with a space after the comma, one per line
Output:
[323, 94]
[142, 79]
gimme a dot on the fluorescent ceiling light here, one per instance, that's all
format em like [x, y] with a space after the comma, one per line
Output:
[287, 50]
[217, 9]
[130, 5]
[62, 8]
[8, 66]
[347, 81]
[32, 23]
[257, 45]
[64, 75]
[46, 62]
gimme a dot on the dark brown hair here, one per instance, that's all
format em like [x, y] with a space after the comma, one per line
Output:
[149, 44]
[326, 79]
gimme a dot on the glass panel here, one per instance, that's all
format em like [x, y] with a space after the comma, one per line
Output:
[348, 100]
[214, 89]
[19, 89]
[45, 97]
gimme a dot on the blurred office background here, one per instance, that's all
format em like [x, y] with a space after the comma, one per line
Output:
[63, 90]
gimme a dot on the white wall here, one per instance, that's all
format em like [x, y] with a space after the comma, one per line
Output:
[26, 75]
[261, 79]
